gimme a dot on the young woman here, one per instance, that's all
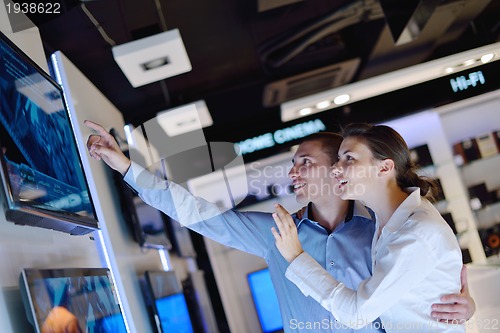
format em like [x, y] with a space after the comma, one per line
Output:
[415, 255]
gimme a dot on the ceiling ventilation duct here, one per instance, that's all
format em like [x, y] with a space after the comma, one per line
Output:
[310, 82]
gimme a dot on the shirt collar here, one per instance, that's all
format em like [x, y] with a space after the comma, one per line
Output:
[356, 209]
[405, 210]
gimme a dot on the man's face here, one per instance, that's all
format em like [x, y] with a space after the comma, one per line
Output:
[311, 175]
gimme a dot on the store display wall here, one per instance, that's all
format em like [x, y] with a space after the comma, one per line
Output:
[23, 246]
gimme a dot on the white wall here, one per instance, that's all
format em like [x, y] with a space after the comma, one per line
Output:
[125, 258]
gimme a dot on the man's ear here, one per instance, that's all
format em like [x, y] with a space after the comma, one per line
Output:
[386, 166]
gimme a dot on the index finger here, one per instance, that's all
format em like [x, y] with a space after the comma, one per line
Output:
[281, 210]
[98, 128]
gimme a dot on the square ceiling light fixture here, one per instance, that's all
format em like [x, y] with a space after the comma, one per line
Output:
[153, 58]
[184, 119]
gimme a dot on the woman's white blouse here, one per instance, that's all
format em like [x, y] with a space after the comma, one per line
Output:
[416, 260]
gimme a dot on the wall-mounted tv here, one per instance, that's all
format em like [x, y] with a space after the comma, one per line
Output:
[148, 225]
[169, 303]
[71, 300]
[265, 300]
[43, 180]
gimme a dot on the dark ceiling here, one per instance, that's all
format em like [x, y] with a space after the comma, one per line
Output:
[237, 47]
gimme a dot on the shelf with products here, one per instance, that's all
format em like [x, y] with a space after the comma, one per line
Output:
[445, 204]
[488, 223]
[474, 163]
[472, 132]
[482, 183]
[474, 149]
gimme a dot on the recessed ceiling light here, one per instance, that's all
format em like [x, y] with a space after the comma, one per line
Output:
[323, 105]
[152, 64]
[305, 111]
[487, 57]
[469, 62]
[341, 99]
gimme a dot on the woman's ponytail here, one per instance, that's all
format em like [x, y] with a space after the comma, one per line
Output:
[428, 187]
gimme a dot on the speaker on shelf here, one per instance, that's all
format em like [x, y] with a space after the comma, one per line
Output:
[439, 195]
[496, 135]
[487, 145]
[449, 219]
[490, 238]
[466, 258]
[480, 196]
[421, 156]
[468, 150]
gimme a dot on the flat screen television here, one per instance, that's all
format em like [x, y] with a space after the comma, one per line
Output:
[265, 300]
[148, 225]
[43, 180]
[71, 300]
[169, 303]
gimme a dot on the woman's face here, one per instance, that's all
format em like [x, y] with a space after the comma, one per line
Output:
[356, 171]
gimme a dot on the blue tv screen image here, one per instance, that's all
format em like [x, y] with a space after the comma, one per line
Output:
[82, 301]
[265, 300]
[173, 314]
[41, 163]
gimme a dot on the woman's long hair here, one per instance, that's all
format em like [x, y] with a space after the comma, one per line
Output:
[385, 143]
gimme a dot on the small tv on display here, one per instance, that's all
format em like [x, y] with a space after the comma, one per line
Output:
[71, 300]
[148, 225]
[43, 180]
[169, 303]
[265, 300]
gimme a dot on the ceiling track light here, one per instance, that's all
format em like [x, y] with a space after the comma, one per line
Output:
[341, 99]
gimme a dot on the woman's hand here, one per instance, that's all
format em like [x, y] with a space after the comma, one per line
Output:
[103, 146]
[287, 240]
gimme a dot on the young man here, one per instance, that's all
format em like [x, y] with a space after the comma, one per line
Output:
[335, 233]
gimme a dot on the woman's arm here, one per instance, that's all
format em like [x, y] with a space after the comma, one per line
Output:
[392, 276]
[455, 307]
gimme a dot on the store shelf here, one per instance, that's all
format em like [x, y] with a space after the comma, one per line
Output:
[475, 163]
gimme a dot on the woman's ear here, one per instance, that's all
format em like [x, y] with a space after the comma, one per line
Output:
[386, 166]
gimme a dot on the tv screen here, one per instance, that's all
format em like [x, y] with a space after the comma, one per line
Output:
[148, 225]
[265, 300]
[169, 303]
[71, 300]
[42, 175]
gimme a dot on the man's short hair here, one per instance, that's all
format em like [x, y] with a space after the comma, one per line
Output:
[330, 143]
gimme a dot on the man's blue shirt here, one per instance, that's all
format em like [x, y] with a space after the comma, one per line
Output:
[344, 253]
